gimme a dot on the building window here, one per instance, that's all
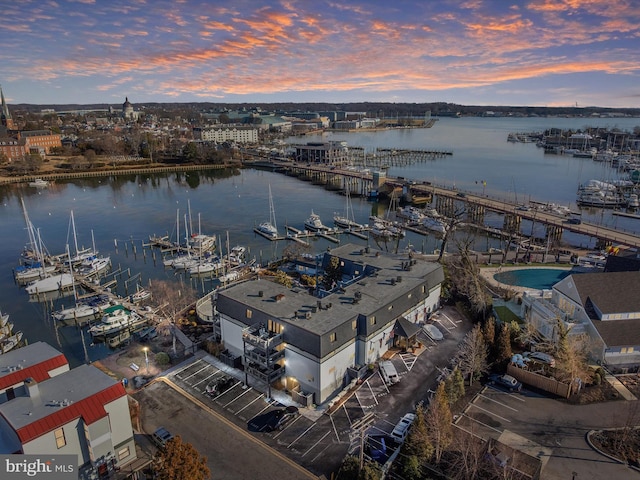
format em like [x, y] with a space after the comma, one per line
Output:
[60, 440]
[372, 321]
[249, 313]
[626, 350]
[11, 394]
[275, 327]
[354, 324]
[332, 337]
[123, 453]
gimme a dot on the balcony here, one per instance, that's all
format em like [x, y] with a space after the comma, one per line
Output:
[261, 338]
[260, 357]
[267, 375]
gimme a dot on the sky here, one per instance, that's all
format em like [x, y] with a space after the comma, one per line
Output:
[554, 53]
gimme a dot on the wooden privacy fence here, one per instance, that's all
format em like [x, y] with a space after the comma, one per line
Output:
[540, 381]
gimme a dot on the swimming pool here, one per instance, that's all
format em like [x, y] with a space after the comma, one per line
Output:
[538, 278]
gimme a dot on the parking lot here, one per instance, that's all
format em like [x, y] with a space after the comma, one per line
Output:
[548, 429]
[315, 440]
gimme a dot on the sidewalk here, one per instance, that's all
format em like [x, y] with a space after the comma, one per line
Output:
[620, 388]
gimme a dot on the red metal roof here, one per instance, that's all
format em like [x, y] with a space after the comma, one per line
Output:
[39, 372]
[90, 409]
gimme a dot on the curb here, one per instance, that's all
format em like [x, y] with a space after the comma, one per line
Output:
[615, 459]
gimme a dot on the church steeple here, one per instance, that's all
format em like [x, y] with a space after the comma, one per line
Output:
[5, 115]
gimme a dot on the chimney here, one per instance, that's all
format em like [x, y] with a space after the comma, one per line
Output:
[32, 388]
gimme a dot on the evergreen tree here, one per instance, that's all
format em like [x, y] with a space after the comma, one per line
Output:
[503, 345]
[438, 420]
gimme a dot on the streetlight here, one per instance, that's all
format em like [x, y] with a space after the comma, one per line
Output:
[146, 358]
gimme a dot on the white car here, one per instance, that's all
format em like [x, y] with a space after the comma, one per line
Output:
[433, 332]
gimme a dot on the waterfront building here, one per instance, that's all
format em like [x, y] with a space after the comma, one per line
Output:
[323, 152]
[227, 133]
[48, 409]
[313, 345]
[40, 141]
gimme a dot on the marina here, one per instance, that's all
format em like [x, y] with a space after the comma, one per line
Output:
[131, 206]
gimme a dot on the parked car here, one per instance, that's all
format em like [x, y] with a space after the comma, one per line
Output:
[433, 332]
[279, 418]
[506, 381]
[401, 429]
[220, 385]
[161, 436]
[541, 357]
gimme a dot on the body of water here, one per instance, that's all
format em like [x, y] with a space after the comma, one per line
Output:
[121, 212]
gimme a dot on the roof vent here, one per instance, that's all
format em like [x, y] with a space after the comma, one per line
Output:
[261, 293]
[398, 279]
[307, 315]
[393, 281]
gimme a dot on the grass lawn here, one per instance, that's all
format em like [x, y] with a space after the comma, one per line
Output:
[506, 315]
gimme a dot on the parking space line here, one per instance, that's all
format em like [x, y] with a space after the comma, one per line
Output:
[301, 435]
[483, 424]
[373, 394]
[320, 453]
[515, 397]
[193, 374]
[314, 445]
[452, 322]
[333, 425]
[249, 404]
[496, 401]
[206, 378]
[280, 432]
[177, 372]
[489, 412]
[346, 412]
[236, 398]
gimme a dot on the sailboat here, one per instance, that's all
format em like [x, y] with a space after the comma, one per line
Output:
[34, 266]
[60, 282]
[270, 229]
[80, 254]
[347, 220]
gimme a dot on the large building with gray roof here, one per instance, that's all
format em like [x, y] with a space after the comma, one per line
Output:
[309, 341]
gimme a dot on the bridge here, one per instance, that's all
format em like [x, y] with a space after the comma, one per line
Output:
[338, 178]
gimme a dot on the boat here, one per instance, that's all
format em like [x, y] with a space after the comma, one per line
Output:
[10, 342]
[27, 273]
[269, 229]
[314, 223]
[84, 311]
[434, 224]
[6, 330]
[61, 281]
[237, 255]
[140, 295]
[116, 319]
[347, 220]
[596, 193]
[118, 339]
[94, 265]
[147, 333]
[80, 254]
[39, 183]
[210, 265]
[4, 318]
[412, 214]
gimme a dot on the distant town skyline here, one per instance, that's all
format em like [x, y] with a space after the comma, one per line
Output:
[554, 53]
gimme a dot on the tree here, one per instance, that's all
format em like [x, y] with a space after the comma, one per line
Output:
[350, 470]
[489, 331]
[503, 345]
[418, 443]
[283, 279]
[452, 223]
[472, 355]
[438, 420]
[332, 273]
[454, 385]
[180, 459]
[571, 355]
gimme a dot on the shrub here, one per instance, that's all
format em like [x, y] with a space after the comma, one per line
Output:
[162, 358]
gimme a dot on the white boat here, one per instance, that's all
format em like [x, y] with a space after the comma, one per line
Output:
[4, 318]
[61, 281]
[599, 194]
[237, 255]
[229, 277]
[314, 223]
[270, 228]
[209, 265]
[27, 273]
[118, 339]
[80, 254]
[116, 319]
[6, 330]
[140, 295]
[83, 311]
[410, 213]
[39, 183]
[434, 224]
[94, 265]
[10, 342]
[347, 220]
[201, 242]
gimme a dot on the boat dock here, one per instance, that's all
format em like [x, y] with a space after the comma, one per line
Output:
[626, 214]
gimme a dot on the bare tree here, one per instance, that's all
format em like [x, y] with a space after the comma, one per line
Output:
[472, 355]
[450, 226]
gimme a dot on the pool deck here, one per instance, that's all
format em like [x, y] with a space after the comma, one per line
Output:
[488, 273]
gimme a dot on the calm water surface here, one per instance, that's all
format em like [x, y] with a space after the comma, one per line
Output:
[123, 211]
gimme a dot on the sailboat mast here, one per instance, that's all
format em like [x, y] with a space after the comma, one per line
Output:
[75, 238]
